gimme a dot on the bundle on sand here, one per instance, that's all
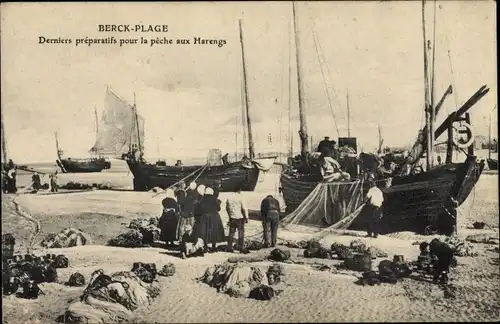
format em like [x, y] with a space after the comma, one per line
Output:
[483, 238]
[168, 270]
[275, 273]
[357, 246]
[76, 280]
[236, 280]
[110, 299]
[27, 271]
[8, 243]
[389, 272]
[253, 245]
[143, 232]
[462, 248]
[68, 237]
[279, 255]
[145, 271]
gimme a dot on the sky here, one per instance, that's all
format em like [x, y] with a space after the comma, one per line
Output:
[190, 95]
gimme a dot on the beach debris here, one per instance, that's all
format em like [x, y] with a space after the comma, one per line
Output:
[244, 258]
[279, 255]
[343, 252]
[84, 186]
[231, 278]
[320, 253]
[253, 245]
[143, 232]
[483, 238]
[274, 273]
[110, 299]
[76, 280]
[138, 223]
[27, 271]
[167, 270]
[388, 272]
[359, 262]
[296, 245]
[145, 271]
[264, 292]
[68, 237]
[461, 247]
[479, 225]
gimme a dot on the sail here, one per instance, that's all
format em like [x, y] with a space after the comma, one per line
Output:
[118, 127]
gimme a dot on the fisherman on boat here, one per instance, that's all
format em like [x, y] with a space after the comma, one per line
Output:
[238, 217]
[169, 219]
[325, 147]
[270, 213]
[36, 181]
[187, 207]
[374, 200]
[331, 171]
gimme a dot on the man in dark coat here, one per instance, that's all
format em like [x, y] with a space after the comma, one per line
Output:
[270, 213]
[444, 254]
[325, 147]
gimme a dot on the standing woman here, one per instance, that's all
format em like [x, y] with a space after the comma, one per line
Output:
[210, 228]
[180, 193]
[187, 206]
[169, 218]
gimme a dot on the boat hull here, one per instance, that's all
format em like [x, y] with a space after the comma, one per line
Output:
[409, 201]
[83, 166]
[492, 164]
[232, 176]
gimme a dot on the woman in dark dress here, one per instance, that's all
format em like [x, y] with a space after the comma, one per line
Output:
[209, 224]
[169, 219]
[187, 207]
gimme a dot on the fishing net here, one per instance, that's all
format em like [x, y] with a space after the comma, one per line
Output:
[330, 205]
[68, 237]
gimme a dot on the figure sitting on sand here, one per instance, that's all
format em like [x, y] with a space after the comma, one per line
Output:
[191, 245]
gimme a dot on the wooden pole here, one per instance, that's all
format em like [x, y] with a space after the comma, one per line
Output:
[428, 117]
[251, 149]
[348, 117]
[4, 140]
[303, 122]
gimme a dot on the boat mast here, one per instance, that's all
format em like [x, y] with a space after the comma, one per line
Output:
[428, 119]
[138, 131]
[290, 133]
[304, 145]
[489, 139]
[251, 150]
[4, 141]
[57, 147]
[348, 117]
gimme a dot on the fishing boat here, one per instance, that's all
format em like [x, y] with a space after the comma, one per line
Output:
[411, 201]
[82, 165]
[492, 163]
[242, 174]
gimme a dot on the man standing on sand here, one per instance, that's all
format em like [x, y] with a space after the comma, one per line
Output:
[270, 213]
[53, 182]
[238, 217]
[374, 200]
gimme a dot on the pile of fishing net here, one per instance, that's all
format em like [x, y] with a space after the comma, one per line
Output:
[483, 238]
[462, 247]
[85, 186]
[253, 245]
[143, 232]
[241, 280]
[111, 298]
[27, 271]
[388, 272]
[68, 237]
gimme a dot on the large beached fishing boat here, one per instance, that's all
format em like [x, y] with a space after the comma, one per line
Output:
[411, 201]
[82, 165]
[242, 174]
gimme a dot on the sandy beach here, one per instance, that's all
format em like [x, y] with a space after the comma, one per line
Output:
[309, 295]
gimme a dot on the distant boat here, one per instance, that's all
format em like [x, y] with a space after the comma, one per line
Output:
[409, 200]
[72, 165]
[241, 174]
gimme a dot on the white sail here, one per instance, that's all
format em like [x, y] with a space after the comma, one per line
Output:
[118, 127]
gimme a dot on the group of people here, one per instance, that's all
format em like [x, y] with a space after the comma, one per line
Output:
[9, 182]
[191, 216]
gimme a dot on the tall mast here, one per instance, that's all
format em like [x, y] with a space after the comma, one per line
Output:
[428, 119]
[96, 121]
[251, 149]
[4, 141]
[137, 124]
[290, 133]
[304, 145]
[348, 117]
[489, 139]
[57, 146]
[379, 140]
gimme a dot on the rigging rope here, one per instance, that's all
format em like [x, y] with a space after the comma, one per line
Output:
[324, 79]
[201, 168]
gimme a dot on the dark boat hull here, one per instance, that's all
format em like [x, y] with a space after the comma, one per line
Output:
[410, 199]
[232, 176]
[83, 166]
[492, 164]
